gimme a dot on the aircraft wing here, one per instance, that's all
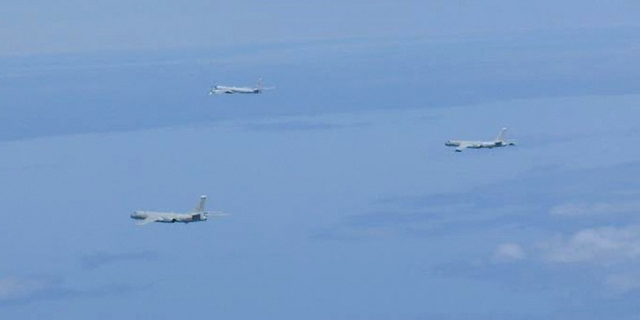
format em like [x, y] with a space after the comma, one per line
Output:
[463, 146]
[147, 221]
[220, 90]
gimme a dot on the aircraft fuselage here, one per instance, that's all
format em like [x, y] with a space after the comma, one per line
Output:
[167, 217]
[234, 90]
[462, 144]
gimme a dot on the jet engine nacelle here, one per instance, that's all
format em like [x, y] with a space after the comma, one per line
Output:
[198, 217]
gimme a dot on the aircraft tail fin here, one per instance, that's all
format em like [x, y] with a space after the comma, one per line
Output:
[500, 136]
[259, 85]
[201, 204]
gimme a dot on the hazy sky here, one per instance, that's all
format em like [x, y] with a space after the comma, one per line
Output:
[36, 26]
[345, 202]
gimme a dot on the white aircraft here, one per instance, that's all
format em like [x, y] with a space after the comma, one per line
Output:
[242, 90]
[498, 142]
[198, 214]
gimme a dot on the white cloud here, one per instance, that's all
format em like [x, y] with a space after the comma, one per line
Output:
[592, 209]
[605, 245]
[13, 288]
[509, 252]
[610, 254]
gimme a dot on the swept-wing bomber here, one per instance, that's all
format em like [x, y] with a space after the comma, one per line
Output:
[499, 141]
[197, 215]
[259, 88]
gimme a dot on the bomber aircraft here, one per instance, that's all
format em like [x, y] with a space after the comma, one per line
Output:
[240, 90]
[499, 141]
[197, 215]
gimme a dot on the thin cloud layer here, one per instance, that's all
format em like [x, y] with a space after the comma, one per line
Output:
[19, 291]
[98, 259]
[298, 125]
[16, 288]
[622, 283]
[509, 252]
[594, 209]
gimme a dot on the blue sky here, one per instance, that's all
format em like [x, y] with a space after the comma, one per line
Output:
[345, 203]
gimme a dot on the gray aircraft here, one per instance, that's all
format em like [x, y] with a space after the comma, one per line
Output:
[198, 214]
[498, 142]
[241, 90]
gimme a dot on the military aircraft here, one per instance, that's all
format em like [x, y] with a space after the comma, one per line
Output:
[198, 214]
[498, 142]
[241, 90]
